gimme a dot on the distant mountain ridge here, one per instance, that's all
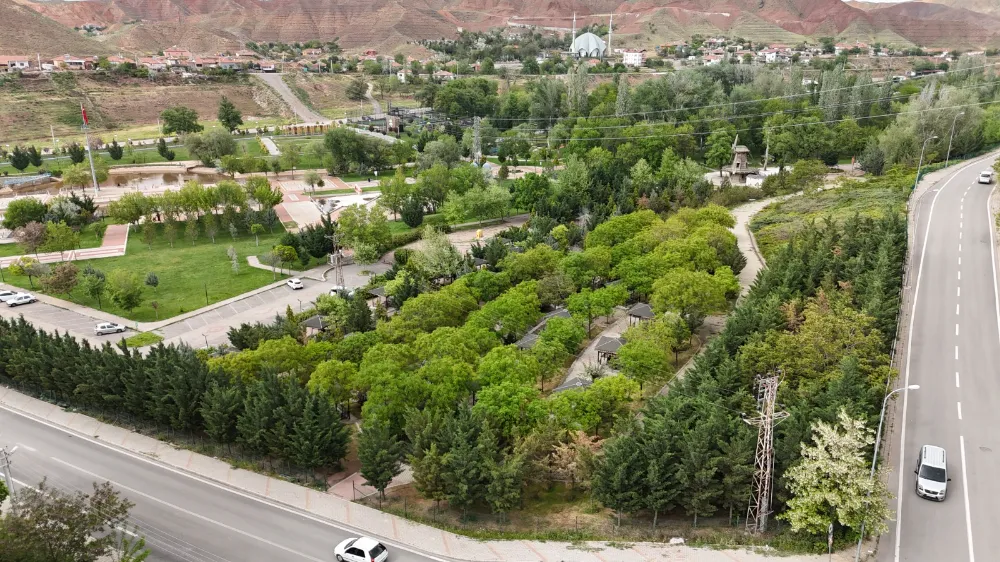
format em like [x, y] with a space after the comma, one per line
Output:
[211, 25]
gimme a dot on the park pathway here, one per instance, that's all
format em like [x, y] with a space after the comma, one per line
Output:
[113, 245]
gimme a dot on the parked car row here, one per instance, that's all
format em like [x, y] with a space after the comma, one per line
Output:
[12, 298]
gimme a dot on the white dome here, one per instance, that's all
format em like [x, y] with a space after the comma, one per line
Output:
[589, 45]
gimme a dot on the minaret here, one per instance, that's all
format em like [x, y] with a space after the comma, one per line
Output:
[611, 22]
[572, 38]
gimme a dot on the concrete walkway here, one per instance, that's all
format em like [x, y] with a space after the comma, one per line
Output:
[272, 149]
[327, 506]
[577, 373]
[113, 245]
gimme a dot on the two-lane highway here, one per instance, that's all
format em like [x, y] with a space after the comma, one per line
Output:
[184, 519]
[953, 353]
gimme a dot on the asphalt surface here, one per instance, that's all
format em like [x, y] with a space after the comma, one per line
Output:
[953, 353]
[51, 318]
[184, 518]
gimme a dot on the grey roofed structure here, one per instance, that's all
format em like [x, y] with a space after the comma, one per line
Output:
[639, 312]
[589, 45]
[607, 348]
[527, 342]
[314, 325]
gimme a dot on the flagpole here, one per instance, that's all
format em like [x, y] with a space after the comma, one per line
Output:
[90, 153]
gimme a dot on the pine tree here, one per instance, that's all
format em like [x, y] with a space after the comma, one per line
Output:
[463, 474]
[661, 465]
[255, 423]
[307, 436]
[429, 474]
[696, 474]
[618, 481]
[359, 316]
[736, 465]
[623, 101]
[220, 408]
[380, 453]
[505, 482]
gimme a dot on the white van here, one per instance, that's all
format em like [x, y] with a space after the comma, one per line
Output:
[932, 473]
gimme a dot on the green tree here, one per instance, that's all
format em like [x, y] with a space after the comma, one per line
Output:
[211, 146]
[220, 406]
[696, 473]
[286, 254]
[30, 267]
[412, 211]
[380, 452]
[76, 152]
[53, 525]
[180, 119]
[61, 280]
[618, 474]
[115, 150]
[124, 289]
[429, 474]
[163, 151]
[719, 148]
[152, 281]
[129, 208]
[312, 178]
[229, 116]
[18, 158]
[22, 211]
[93, 282]
[256, 229]
[78, 175]
[366, 231]
[356, 89]
[395, 191]
[30, 237]
[693, 294]
[59, 237]
[831, 484]
[335, 381]
[646, 354]
[505, 483]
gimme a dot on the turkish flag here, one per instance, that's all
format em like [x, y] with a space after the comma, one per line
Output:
[84, 111]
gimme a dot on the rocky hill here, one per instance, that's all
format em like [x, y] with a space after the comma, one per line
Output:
[25, 32]
[206, 25]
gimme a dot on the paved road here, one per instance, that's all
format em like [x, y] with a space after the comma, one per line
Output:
[953, 353]
[51, 318]
[183, 518]
[300, 109]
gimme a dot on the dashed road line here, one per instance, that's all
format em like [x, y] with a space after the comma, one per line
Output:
[956, 329]
[965, 491]
[959, 411]
[957, 385]
[956, 306]
[956, 352]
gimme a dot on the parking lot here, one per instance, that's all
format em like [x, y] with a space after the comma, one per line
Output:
[50, 318]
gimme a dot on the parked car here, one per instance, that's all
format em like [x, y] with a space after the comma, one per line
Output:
[341, 291]
[294, 283]
[108, 328]
[6, 295]
[21, 298]
[932, 473]
[986, 176]
[362, 549]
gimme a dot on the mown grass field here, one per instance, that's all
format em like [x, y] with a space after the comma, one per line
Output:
[777, 222]
[88, 239]
[191, 275]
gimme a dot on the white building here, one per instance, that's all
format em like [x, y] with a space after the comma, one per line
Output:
[633, 57]
[589, 45]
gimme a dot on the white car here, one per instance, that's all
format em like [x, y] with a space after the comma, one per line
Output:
[21, 298]
[108, 328]
[364, 549]
[341, 291]
[6, 295]
[294, 283]
[986, 176]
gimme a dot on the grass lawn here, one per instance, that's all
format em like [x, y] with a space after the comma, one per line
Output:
[186, 272]
[143, 339]
[777, 222]
[87, 240]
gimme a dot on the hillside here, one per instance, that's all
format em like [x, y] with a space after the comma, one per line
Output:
[24, 31]
[214, 25]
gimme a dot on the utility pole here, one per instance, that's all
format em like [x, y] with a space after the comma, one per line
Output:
[90, 152]
[611, 24]
[760, 498]
[477, 151]
[5, 467]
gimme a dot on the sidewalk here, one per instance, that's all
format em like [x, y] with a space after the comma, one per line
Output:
[113, 245]
[370, 521]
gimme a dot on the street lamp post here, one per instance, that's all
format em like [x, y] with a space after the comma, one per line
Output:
[921, 164]
[947, 159]
[878, 441]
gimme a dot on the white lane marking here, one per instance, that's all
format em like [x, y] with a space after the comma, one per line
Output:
[959, 234]
[960, 260]
[959, 292]
[965, 492]
[264, 501]
[956, 352]
[961, 215]
[956, 380]
[959, 410]
[959, 275]
[956, 329]
[189, 513]
[23, 446]
[960, 226]
[956, 306]
[25, 485]
[960, 247]
[909, 353]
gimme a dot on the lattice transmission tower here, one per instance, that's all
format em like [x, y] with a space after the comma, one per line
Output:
[766, 419]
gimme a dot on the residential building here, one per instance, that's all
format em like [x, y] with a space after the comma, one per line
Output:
[402, 74]
[70, 62]
[154, 64]
[443, 76]
[229, 63]
[14, 63]
[312, 52]
[176, 56]
[712, 59]
[268, 66]
[633, 57]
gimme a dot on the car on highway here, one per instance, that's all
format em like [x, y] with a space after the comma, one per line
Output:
[363, 549]
[21, 298]
[986, 176]
[295, 283]
[932, 473]
[6, 295]
[108, 328]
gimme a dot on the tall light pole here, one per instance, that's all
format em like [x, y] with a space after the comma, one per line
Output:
[878, 441]
[952, 137]
[921, 164]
